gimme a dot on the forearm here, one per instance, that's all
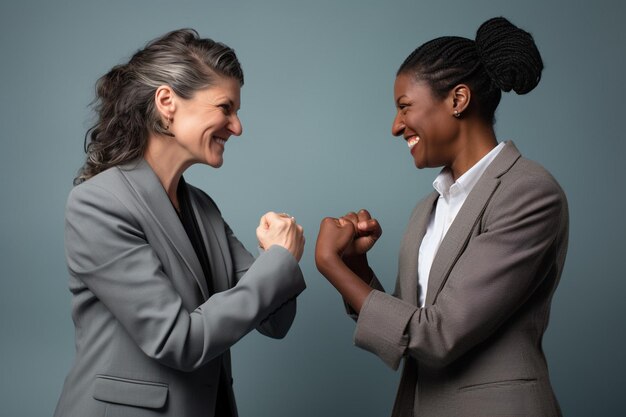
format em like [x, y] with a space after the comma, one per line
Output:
[271, 283]
[351, 286]
[277, 324]
[359, 265]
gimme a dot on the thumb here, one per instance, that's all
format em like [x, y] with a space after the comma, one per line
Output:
[344, 223]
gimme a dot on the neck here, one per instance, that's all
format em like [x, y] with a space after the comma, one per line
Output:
[476, 141]
[166, 158]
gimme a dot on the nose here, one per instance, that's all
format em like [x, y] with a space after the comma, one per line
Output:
[397, 127]
[235, 126]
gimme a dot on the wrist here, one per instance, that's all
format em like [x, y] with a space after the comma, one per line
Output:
[360, 266]
[327, 261]
[355, 261]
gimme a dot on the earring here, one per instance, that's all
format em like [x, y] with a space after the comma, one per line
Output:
[167, 124]
[457, 114]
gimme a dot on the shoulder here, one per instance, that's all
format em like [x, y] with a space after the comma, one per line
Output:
[527, 191]
[511, 169]
[102, 193]
[109, 180]
[529, 177]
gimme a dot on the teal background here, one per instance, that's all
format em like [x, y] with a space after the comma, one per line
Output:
[317, 112]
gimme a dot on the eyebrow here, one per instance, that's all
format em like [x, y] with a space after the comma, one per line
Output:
[399, 98]
[230, 103]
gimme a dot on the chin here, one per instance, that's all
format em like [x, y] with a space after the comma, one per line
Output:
[419, 164]
[214, 161]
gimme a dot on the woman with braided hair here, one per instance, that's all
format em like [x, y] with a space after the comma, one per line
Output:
[482, 255]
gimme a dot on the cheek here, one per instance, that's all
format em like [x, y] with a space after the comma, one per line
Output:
[188, 127]
[213, 124]
[443, 127]
[415, 122]
[203, 131]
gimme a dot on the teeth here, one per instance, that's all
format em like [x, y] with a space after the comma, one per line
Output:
[413, 141]
[220, 141]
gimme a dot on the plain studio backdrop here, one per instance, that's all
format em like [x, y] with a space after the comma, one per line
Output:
[317, 108]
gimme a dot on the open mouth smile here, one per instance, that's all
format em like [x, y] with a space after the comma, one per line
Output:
[219, 140]
[411, 141]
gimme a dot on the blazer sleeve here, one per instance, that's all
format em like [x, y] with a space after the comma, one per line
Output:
[498, 271]
[278, 322]
[107, 250]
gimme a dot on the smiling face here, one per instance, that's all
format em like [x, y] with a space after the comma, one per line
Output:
[425, 122]
[203, 124]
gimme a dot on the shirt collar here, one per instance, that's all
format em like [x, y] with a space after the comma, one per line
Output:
[444, 183]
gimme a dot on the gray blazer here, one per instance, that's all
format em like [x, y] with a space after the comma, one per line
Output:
[475, 347]
[149, 341]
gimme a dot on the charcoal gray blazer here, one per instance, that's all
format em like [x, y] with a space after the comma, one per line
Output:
[149, 340]
[474, 349]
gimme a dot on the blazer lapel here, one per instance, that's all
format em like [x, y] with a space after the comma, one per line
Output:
[149, 191]
[409, 250]
[459, 233]
[215, 243]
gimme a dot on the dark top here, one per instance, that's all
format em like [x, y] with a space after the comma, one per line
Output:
[188, 219]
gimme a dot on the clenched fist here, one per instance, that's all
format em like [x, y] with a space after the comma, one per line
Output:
[367, 232]
[335, 236]
[281, 229]
[347, 238]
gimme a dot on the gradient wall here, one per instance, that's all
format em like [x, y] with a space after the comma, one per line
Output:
[317, 112]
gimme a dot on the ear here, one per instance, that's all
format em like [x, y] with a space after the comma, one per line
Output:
[165, 101]
[460, 97]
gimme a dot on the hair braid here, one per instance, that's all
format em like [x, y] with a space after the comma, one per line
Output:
[509, 55]
[503, 57]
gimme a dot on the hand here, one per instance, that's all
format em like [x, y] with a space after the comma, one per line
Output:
[281, 229]
[367, 232]
[334, 237]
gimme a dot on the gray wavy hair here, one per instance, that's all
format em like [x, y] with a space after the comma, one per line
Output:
[124, 100]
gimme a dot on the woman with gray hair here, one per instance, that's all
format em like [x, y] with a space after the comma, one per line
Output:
[161, 288]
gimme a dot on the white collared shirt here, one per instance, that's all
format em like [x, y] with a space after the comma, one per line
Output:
[452, 195]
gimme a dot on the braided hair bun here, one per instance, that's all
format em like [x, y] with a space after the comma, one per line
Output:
[509, 55]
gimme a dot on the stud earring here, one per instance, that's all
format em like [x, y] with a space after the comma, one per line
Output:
[457, 114]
